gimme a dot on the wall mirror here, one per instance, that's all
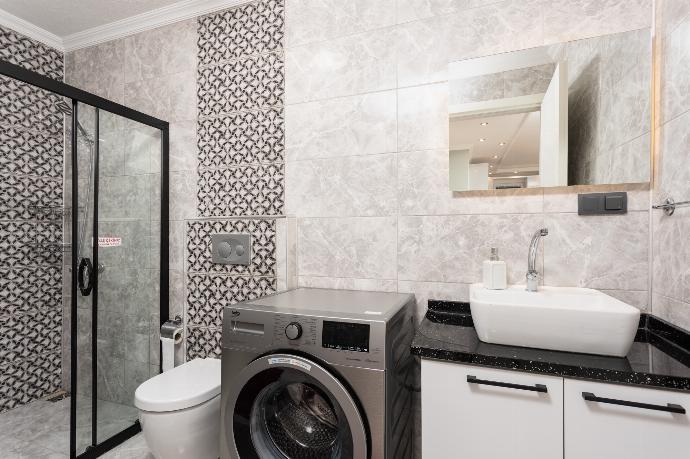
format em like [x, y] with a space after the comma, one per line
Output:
[575, 113]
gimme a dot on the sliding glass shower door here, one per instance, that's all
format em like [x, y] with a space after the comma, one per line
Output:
[85, 334]
[118, 270]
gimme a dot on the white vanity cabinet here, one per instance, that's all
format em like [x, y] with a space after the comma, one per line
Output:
[471, 412]
[478, 420]
[601, 428]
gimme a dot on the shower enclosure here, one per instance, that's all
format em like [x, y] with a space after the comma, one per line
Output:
[114, 249]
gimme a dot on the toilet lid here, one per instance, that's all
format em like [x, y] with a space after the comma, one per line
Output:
[190, 384]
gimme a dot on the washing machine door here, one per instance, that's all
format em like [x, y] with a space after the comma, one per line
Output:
[288, 407]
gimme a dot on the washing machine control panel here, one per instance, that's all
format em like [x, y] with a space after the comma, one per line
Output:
[293, 330]
[347, 342]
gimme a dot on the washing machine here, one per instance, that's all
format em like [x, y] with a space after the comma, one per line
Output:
[316, 373]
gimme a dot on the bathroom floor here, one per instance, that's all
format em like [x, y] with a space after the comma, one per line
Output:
[40, 430]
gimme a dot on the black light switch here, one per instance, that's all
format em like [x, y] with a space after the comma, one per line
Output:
[614, 202]
[602, 203]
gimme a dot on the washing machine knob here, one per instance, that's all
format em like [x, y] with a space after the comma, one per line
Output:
[293, 330]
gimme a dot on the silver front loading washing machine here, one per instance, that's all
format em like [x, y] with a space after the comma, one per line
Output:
[314, 373]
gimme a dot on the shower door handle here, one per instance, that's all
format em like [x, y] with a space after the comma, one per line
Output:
[85, 269]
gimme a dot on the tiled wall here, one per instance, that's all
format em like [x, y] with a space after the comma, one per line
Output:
[218, 80]
[671, 235]
[240, 139]
[367, 151]
[31, 173]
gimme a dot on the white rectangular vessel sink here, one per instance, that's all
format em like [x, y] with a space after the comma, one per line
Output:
[559, 318]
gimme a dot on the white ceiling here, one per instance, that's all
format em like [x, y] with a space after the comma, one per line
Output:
[518, 131]
[65, 17]
[72, 24]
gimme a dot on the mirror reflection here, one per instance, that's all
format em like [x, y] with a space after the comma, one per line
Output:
[576, 113]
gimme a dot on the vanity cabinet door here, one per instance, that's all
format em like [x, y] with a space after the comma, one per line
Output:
[467, 412]
[601, 428]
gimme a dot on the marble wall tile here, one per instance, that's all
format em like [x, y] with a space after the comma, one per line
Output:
[177, 293]
[183, 146]
[673, 174]
[125, 196]
[309, 21]
[177, 242]
[423, 51]
[168, 97]
[670, 14]
[672, 310]
[426, 47]
[423, 117]
[352, 186]
[425, 291]
[183, 191]
[99, 69]
[452, 248]
[413, 10]
[671, 252]
[163, 51]
[363, 247]
[566, 20]
[345, 283]
[598, 251]
[350, 65]
[423, 189]
[631, 162]
[638, 298]
[355, 125]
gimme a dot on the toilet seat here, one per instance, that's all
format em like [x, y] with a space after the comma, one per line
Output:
[185, 386]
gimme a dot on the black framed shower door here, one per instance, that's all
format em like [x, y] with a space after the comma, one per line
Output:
[91, 257]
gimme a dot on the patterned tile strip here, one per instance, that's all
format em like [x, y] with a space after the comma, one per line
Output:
[31, 174]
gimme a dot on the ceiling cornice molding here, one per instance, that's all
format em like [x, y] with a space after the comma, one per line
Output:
[30, 30]
[170, 14]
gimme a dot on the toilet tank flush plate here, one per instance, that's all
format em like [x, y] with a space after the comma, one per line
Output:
[231, 249]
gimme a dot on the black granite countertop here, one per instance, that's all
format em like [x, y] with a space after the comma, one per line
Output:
[659, 357]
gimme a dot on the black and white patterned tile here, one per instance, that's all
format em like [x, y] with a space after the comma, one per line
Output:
[204, 342]
[249, 83]
[30, 334]
[208, 294]
[31, 153]
[28, 107]
[18, 193]
[240, 135]
[27, 380]
[30, 54]
[238, 191]
[27, 288]
[255, 28]
[31, 175]
[263, 232]
[242, 138]
[18, 241]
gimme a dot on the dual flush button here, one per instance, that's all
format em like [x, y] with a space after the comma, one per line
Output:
[231, 249]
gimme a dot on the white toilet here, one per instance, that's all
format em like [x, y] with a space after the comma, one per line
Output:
[179, 411]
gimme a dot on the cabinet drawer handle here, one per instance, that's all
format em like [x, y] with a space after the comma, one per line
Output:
[670, 407]
[536, 388]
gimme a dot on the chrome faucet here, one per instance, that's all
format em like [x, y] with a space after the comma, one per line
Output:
[532, 274]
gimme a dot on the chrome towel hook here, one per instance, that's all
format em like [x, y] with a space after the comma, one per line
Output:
[670, 205]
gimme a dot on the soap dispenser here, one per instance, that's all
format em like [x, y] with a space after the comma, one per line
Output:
[495, 272]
